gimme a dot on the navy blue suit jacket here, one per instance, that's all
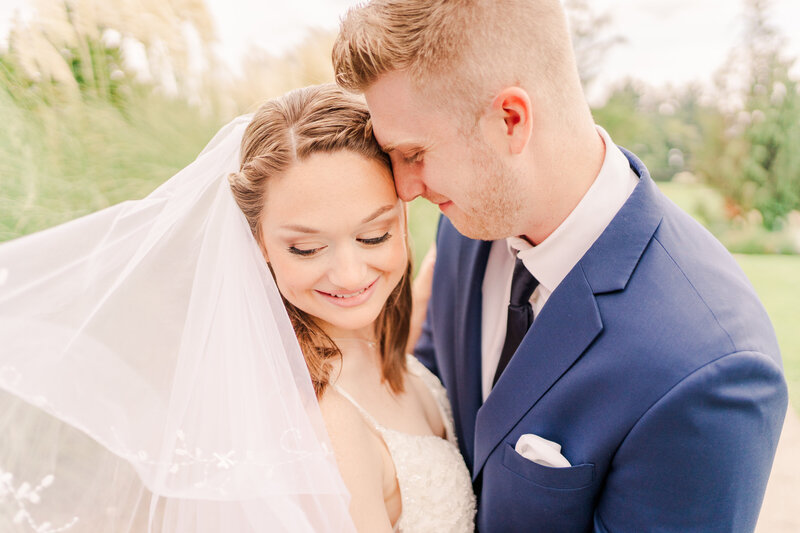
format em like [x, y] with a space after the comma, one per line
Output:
[653, 364]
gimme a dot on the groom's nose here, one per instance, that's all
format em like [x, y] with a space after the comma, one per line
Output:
[408, 185]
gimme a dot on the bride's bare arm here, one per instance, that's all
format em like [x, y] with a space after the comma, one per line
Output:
[358, 456]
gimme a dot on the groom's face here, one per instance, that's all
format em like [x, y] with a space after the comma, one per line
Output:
[433, 157]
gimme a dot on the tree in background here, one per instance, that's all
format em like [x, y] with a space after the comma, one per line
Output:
[742, 141]
[83, 127]
[265, 75]
[653, 124]
[753, 157]
[591, 39]
[86, 46]
[665, 128]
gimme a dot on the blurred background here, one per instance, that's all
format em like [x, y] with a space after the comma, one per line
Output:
[103, 100]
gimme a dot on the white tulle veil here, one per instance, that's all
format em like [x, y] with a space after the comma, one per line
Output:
[150, 379]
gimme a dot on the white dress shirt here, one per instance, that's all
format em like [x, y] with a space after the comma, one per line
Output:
[552, 259]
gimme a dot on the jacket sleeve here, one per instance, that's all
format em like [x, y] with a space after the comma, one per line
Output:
[699, 458]
[425, 349]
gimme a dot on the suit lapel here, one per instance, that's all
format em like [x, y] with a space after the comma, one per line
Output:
[472, 262]
[570, 320]
[540, 361]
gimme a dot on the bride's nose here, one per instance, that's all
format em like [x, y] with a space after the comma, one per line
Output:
[348, 270]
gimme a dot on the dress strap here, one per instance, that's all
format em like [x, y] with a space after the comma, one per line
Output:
[364, 413]
[373, 423]
[438, 392]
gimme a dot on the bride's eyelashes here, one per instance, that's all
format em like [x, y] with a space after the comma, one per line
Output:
[304, 252]
[376, 240]
[308, 252]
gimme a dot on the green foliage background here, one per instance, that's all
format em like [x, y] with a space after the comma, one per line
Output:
[58, 163]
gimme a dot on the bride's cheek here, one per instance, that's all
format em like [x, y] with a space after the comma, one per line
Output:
[397, 258]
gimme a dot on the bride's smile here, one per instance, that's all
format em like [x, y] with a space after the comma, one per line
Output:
[349, 299]
[338, 265]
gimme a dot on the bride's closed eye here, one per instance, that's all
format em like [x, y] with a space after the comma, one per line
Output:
[373, 241]
[305, 252]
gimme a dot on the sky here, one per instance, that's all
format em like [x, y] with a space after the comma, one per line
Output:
[667, 41]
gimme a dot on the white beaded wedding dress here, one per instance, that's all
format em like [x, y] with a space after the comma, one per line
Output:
[435, 485]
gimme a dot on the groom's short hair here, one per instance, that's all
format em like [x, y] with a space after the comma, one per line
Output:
[459, 49]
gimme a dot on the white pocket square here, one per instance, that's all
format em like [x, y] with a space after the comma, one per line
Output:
[541, 451]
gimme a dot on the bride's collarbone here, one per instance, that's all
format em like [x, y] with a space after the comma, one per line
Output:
[406, 412]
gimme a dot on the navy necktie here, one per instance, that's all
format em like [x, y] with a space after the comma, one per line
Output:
[520, 314]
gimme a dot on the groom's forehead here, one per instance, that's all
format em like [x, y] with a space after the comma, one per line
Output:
[396, 107]
[393, 129]
[402, 145]
[405, 132]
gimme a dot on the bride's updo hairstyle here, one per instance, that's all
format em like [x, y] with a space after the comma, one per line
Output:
[289, 129]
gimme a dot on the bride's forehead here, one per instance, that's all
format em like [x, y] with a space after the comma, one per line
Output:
[332, 210]
[341, 180]
[332, 217]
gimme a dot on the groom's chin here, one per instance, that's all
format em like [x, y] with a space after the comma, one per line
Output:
[476, 228]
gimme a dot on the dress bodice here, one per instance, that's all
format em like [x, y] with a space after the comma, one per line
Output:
[435, 485]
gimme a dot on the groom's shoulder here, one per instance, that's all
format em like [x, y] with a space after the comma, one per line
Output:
[702, 278]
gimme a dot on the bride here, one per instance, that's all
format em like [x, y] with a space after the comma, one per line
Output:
[228, 354]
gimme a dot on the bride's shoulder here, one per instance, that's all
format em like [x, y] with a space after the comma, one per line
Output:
[340, 414]
[349, 431]
[357, 450]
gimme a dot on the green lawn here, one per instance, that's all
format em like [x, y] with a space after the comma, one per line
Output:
[775, 280]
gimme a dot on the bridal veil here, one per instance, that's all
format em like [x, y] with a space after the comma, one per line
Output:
[150, 379]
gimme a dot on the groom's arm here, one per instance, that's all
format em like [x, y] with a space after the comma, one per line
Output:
[699, 458]
[424, 350]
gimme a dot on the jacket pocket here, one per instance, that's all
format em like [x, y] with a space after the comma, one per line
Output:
[568, 478]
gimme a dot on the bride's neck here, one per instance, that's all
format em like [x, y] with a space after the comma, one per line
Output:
[360, 349]
[366, 334]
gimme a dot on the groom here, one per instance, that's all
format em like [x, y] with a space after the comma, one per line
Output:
[609, 366]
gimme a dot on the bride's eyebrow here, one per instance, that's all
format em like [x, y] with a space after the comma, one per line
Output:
[311, 231]
[379, 212]
[300, 229]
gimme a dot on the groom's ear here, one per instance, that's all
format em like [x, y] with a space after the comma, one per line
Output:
[512, 116]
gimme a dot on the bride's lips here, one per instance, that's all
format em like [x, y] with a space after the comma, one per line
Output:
[351, 299]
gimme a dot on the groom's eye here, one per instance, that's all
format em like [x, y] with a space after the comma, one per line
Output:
[413, 158]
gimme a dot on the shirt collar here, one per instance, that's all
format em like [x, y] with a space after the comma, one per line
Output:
[551, 260]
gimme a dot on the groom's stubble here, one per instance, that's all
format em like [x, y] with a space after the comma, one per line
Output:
[496, 205]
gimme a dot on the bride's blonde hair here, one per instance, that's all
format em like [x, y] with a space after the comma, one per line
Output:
[287, 130]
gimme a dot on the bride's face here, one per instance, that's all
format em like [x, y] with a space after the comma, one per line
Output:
[334, 233]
